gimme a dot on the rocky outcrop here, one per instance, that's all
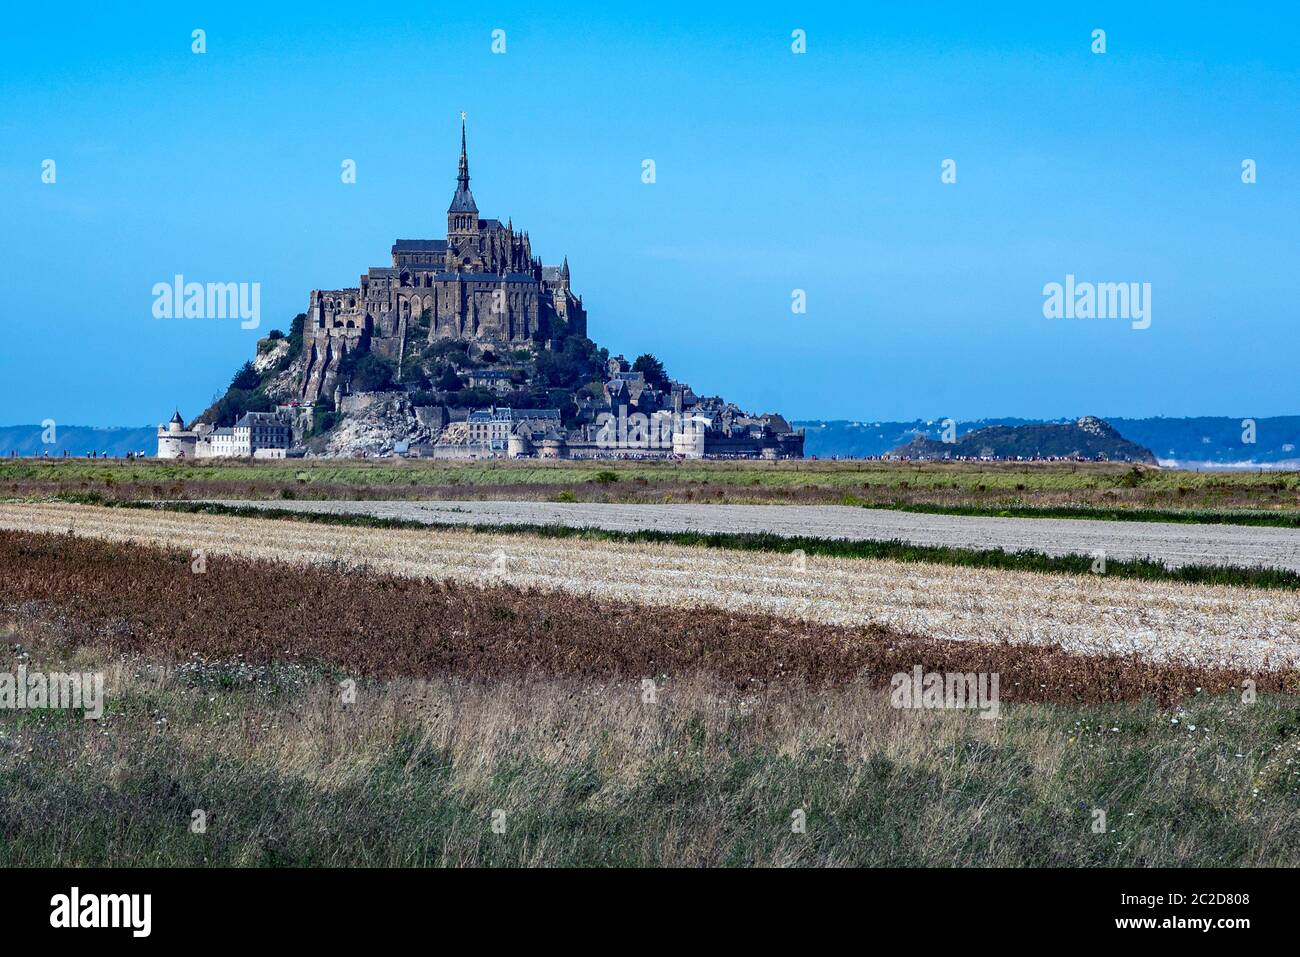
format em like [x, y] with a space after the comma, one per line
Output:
[282, 385]
[269, 353]
[1086, 438]
[373, 423]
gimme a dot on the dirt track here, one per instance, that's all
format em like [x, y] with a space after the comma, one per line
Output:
[1174, 544]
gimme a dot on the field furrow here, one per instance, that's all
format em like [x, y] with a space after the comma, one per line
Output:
[1197, 625]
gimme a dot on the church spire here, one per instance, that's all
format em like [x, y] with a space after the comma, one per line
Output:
[463, 201]
[463, 176]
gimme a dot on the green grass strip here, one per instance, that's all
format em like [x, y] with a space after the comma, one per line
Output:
[1096, 512]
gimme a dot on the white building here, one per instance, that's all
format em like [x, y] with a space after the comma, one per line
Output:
[257, 435]
[175, 441]
[688, 441]
[495, 426]
[262, 432]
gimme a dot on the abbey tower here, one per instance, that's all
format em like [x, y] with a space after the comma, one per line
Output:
[480, 283]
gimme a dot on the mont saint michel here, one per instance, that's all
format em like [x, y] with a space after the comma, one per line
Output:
[743, 437]
[466, 346]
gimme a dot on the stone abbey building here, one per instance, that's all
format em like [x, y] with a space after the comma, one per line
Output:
[483, 311]
[481, 283]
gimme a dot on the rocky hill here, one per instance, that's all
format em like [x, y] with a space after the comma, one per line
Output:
[1221, 441]
[381, 401]
[470, 330]
[1087, 438]
[421, 403]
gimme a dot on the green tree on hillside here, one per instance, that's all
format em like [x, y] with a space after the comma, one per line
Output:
[295, 335]
[247, 378]
[652, 369]
[367, 372]
[449, 381]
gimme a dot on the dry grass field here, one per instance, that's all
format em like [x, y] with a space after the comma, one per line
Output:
[128, 597]
[585, 774]
[336, 695]
[493, 725]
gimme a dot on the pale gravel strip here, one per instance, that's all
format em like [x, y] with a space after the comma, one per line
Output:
[1195, 624]
[1171, 543]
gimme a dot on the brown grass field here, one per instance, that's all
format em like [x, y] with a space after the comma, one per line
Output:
[134, 600]
[346, 696]
[485, 702]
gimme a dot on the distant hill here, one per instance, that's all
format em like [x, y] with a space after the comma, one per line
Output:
[77, 440]
[846, 439]
[1088, 438]
[1207, 441]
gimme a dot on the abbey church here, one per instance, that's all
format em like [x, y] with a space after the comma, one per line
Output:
[482, 283]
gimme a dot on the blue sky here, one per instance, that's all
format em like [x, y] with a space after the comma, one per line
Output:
[775, 172]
